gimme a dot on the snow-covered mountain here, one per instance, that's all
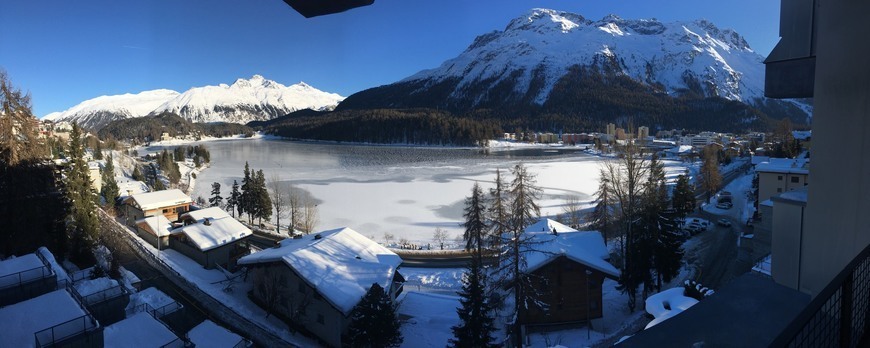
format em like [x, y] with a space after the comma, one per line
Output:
[96, 113]
[256, 99]
[245, 100]
[525, 62]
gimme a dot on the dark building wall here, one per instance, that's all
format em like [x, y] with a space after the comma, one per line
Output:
[568, 290]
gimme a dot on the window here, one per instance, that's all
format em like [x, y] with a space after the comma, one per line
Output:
[165, 211]
[795, 179]
[320, 319]
[779, 177]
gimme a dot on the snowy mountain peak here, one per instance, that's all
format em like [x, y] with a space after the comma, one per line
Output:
[542, 19]
[245, 100]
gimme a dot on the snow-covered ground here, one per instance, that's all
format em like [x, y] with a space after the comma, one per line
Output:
[430, 318]
[742, 208]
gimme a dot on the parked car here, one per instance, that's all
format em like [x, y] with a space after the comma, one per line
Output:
[693, 229]
[724, 222]
[724, 205]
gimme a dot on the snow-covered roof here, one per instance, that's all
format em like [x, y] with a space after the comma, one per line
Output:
[220, 229]
[802, 135]
[157, 224]
[159, 199]
[341, 264]
[128, 187]
[680, 149]
[209, 334]
[759, 159]
[799, 195]
[585, 247]
[767, 203]
[23, 319]
[139, 330]
[784, 165]
[763, 266]
[29, 266]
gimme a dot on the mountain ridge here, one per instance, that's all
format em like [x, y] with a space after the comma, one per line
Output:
[527, 66]
[245, 100]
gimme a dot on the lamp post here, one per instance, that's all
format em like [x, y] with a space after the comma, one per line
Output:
[588, 319]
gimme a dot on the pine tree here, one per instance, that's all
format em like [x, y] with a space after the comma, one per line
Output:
[233, 200]
[263, 201]
[602, 216]
[498, 210]
[246, 199]
[683, 200]
[98, 151]
[476, 323]
[109, 190]
[216, 199]
[374, 322]
[665, 254]
[82, 222]
[475, 220]
[137, 174]
[523, 211]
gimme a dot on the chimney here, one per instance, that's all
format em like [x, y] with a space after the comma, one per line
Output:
[206, 222]
[317, 236]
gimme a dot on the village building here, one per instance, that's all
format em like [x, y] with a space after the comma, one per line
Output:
[209, 236]
[570, 267]
[778, 175]
[169, 203]
[155, 230]
[95, 175]
[318, 279]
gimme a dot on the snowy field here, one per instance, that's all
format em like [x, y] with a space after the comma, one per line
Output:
[406, 192]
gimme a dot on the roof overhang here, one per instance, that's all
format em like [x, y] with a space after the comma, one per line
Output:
[313, 8]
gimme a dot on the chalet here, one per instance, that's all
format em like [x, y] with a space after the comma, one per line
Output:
[317, 280]
[210, 237]
[570, 267]
[155, 230]
[170, 203]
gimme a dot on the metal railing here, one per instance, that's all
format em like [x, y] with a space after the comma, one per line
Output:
[69, 328]
[105, 295]
[25, 276]
[838, 315]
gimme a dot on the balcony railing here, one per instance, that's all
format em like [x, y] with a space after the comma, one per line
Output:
[838, 316]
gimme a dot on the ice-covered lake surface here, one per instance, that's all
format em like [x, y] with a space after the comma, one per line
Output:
[406, 192]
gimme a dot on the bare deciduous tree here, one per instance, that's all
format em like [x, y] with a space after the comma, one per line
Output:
[280, 200]
[440, 236]
[294, 204]
[310, 215]
[571, 213]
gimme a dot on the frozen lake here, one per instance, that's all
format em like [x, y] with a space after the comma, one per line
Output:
[403, 191]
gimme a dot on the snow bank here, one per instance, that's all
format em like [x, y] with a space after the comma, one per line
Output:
[58, 270]
[667, 304]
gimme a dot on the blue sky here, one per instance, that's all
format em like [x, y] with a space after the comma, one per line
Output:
[65, 52]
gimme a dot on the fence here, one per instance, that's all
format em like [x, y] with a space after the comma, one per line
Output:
[25, 276]
[838, 315]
